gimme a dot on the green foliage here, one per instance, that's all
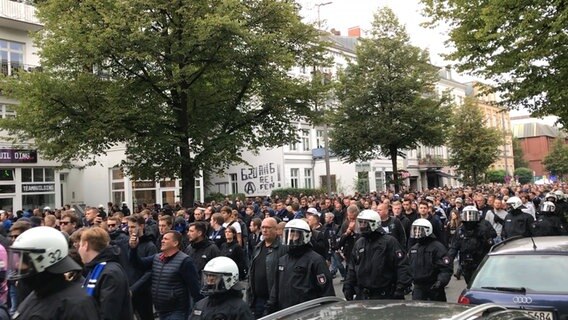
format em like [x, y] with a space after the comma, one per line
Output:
[296, 192]
[183, 85]
[219, 197]
[521, 45]
[525, 175]
[556, 162]
[518, 155]
[473, 146]
[387, 97]
[495, 176]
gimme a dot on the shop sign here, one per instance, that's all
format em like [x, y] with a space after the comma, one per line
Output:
[45, 187]
[18, 156]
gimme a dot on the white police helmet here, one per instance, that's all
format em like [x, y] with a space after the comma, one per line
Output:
[469, 214]
[551, 196]
[368, 221]
[547, 207]
[515, 202]
[37, 250]
[421, 228]
[219, 275]
[559, 194]
[297, 233]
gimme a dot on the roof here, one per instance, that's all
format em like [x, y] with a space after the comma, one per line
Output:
[343, 43]
[525, 245]
[535, 129]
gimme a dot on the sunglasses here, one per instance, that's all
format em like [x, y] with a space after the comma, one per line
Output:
[64, 223]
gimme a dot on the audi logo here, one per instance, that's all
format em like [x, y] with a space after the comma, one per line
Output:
[522, 300]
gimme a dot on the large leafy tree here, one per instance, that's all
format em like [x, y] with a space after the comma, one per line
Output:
[518, 154]
[184, 85]
[473, 146]
[556, 162]
[521, 45]
[388, 101]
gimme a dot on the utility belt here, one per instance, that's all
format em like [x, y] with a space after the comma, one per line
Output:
[376, 293]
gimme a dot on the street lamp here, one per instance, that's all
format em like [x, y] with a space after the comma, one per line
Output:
[319, 5]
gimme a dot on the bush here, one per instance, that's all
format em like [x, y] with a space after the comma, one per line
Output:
[496, 176]
[219, 197]
[296, 192]
[525, 175]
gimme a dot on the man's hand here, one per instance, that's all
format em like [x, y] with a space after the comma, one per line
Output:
[437, 285]
[133, 242]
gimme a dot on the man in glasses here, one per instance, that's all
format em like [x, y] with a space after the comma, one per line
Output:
[68, 222]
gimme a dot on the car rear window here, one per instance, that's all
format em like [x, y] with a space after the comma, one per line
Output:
[535, 273]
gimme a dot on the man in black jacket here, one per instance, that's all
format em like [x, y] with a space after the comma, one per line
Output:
[140, 281]
[200, 249]
[52, 296]
[106, 280]
[174, 277]
[264, 264]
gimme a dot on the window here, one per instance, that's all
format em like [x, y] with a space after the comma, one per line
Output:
[323, 182]
[7, 111]
[11, 56]
[234, 183]
[294, 177]
[306, 139]
[197, 195]
[319, 139]
[117, 186]
[308, 178]
[38, 175]
[293, 146]
[379, 181]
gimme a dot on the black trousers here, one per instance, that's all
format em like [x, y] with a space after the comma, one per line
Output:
[142, 304]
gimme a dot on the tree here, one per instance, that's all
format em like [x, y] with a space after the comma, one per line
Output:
[556, 162]
[184, 85]
[473, 146]
[495, 176]
[518, 155]
[519, 45]
[388, 102]
[524, 175]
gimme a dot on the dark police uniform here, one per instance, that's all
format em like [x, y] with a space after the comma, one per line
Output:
[378, 268]
[548, 224]
[431, 269]
[222, 306]
[517, 223]
[302, 275]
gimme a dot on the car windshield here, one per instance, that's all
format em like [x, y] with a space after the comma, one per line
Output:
[535, 273]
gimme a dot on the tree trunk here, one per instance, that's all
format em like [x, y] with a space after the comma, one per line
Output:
[474, 177]
[394, 154]
[187, 179]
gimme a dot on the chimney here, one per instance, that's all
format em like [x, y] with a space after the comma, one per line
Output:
[335, 32]
[354, 32]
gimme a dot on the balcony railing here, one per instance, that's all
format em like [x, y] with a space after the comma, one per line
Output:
[20, 10]
[12, 69]
[431, 161]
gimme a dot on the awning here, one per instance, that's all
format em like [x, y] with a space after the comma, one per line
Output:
[441, 173]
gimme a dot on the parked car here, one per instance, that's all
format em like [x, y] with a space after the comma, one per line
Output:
[335, 308]
[528, 274]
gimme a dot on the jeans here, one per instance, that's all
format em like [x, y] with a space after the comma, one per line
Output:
[336, 264]
[13, 297]
[174, 315]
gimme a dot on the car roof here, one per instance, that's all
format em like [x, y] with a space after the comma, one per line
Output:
[334, 308]
[527, 245]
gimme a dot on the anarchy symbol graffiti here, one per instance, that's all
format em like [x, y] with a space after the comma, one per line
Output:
[250, 188]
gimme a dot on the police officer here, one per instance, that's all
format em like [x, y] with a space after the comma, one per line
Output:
[39, 258]
[430, 266]
[474, 239]
[378, 268]
[222, 291]
[517, 222]
[548, 222]
[302, 274]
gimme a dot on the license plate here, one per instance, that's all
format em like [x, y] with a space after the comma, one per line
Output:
[541, 315]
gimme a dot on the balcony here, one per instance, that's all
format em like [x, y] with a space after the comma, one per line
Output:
[19, 15]
[430, 161]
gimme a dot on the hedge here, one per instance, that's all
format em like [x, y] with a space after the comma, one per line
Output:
[296, 192]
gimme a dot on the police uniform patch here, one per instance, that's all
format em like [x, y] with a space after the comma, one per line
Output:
[446, 260]
[399, 254]
[322, 279]
[281, 268]
[197, 312]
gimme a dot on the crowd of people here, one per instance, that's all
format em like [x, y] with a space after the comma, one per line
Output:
[245, 258]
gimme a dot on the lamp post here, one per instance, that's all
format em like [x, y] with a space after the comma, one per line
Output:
[325, 129]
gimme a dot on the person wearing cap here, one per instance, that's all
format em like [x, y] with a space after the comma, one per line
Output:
[222, 291]
[39, 257]
[106, 280]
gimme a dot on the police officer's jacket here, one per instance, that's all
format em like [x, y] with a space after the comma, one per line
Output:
[517, 223]
[275, 251]
[473, 243]
[302, 275]
[227, 306]
[429, 262]
[201, 252]
[548, 225]
[58, 299]
[378, 261]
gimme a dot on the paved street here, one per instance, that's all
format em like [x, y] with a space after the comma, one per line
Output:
[453, 290]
